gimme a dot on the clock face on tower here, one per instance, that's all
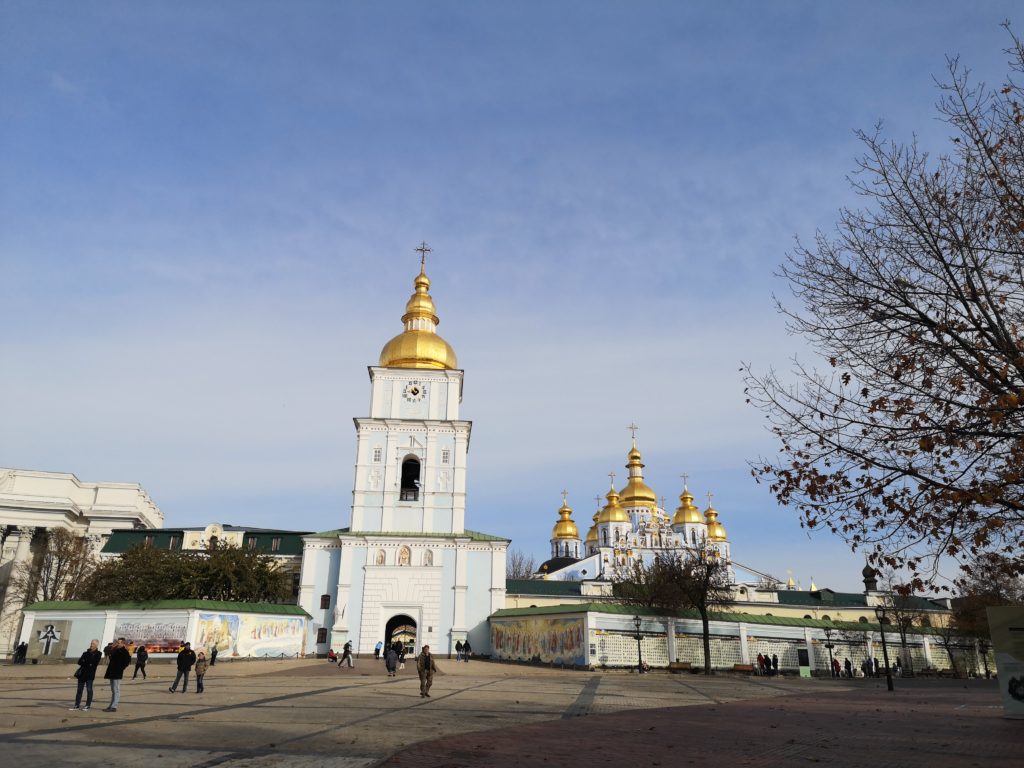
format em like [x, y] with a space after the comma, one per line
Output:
[414, 391]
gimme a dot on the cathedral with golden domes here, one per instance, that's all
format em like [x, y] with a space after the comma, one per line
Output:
[631, 525]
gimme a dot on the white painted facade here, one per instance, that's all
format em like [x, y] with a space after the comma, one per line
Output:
[32, 502]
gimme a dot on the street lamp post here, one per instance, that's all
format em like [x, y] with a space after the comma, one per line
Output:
[639, 654]
[830, 645]
[880, 614]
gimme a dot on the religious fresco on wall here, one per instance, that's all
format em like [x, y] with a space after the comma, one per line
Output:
[558, 641]
[157, 636]
[235, 635]
[217, 630]
[271, 636]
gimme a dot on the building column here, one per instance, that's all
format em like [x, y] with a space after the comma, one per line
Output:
[744, 648]
[670, 635]
[926, 641]
[810, 648]
[21, 553]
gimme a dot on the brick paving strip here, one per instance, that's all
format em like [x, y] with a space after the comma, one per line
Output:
[927, 727]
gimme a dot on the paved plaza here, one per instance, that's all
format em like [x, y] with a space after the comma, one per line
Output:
[309, 713]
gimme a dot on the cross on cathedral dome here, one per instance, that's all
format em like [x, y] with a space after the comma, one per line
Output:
[419, 345]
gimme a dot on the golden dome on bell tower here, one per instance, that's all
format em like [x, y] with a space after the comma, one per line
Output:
[419, 345]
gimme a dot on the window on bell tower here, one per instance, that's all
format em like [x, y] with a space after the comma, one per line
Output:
[377, 453]
[410, 490]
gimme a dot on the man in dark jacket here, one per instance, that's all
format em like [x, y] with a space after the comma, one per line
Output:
[426, 668]
[186, 660]
[141, 656]
[118, 661]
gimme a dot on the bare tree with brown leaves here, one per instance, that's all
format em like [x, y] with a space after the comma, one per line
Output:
[910, 442]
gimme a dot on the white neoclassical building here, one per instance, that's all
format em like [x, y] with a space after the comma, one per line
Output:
[33, 502]
[406, 566]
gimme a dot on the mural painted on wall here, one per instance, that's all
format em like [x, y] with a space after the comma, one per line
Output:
[251, 635]
[218, 630]
[558, 641]
[157, 636]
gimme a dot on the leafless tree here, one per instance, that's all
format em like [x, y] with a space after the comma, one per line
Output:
[58, 569]
[910, 442]
[671, 582]
[905, 611]
[519, 565]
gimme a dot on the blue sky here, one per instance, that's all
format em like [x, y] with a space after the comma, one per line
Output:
[208, 213]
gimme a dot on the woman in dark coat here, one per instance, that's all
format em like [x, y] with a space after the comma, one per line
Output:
[86, 673]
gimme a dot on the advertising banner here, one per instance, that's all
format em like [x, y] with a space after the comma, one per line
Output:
[156, 636]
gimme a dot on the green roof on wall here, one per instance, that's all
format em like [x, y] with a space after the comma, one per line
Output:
[202, 605]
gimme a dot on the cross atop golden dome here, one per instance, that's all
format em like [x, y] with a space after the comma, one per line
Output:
[419, 345]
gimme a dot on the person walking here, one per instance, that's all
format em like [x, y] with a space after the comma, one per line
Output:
[775, 664]
[346, 655]
[836, 669]
[377, 649]
[458, 651]
[760, 663]
[426, 668]
[186, 660]
[876, 667]
[21, 653]
[467, 651]
[391, 661]
[848, 666]
[118, 661]
[141, 656]
[213, 655]
[201, 666]
[86, 673]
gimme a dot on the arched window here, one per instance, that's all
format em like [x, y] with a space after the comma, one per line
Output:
[325, 601]
[410, 479]
[428, 557]
[808, 616]
[604, 534]
[826, 617]
[926, 621]
[863, 619]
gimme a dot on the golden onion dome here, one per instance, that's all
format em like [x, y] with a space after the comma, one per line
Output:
[419, 345]
[613, 511]
[716, 531]
[637, 493]
[687, 511]
[565, 528]
[791, 584]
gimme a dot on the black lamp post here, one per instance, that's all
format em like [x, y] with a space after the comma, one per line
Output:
[880, 614]
[830, 645]
[639, 654]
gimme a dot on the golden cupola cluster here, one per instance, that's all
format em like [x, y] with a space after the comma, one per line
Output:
[419, 345]
[613, 511]
[565, 528]
[637, 493]
[687, 512]
[592, 533]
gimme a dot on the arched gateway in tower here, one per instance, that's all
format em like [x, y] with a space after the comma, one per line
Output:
[406, 550]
